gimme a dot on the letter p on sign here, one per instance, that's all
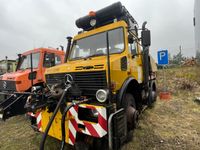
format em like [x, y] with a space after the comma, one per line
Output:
[163, 57]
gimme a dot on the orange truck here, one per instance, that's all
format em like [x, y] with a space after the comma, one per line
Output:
[16, 86]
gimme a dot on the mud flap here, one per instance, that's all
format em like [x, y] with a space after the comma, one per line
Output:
[117, 126]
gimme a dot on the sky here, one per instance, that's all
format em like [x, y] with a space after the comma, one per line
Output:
[28, 24]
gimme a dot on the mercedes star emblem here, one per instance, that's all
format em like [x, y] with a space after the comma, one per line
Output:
[68, 79]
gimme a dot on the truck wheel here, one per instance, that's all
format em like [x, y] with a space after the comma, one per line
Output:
[152, 93]
[131, 111]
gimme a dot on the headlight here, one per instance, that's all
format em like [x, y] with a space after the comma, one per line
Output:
[36, 88]
[102, 95]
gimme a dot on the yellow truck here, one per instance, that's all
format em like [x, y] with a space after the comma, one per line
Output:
[95, 98]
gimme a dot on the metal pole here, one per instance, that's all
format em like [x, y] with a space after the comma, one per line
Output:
[6, 64]
[108, 66]
[31, 70]
[164, 79]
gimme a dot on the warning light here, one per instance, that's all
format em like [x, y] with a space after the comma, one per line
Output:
[92, 14]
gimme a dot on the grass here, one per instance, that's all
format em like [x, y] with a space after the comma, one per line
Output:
[17, 134]
[173, 124]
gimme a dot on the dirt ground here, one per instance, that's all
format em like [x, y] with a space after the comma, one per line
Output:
[173, 124]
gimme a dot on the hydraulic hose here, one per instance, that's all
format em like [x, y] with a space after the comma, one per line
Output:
[52, 118]
[63, 121]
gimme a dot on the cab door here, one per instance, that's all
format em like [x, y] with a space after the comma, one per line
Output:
[135, 60]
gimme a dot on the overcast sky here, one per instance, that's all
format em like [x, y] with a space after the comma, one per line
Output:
[28, 24]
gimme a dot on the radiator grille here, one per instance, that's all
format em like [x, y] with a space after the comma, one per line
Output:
[7, 85]
[88, 82]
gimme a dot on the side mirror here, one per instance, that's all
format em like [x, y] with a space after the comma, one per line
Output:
[146, 38]
[130, 39]
[32, 75]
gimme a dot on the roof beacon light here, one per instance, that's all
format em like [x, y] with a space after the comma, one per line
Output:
[92, 14]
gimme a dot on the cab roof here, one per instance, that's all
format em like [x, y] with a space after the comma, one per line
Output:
[41, 50]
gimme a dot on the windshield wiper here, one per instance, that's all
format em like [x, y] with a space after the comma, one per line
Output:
[78, 58]
[94, 55]
[88, 56]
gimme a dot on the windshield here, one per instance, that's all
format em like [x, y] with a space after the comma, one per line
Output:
[26, 61]
[95, 45]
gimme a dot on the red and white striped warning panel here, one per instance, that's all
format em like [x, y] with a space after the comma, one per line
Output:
[38, 117]
[39, 120]
[95, 129]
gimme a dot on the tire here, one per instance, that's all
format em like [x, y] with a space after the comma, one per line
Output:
[152, 93]
[129, 105]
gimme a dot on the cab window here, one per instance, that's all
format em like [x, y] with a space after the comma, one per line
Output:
[49, 60]
[57, 60]
[133, 48]
[26, 61]
[96, 45]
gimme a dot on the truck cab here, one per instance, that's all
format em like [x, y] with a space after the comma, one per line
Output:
[42, 58]
[15, 87]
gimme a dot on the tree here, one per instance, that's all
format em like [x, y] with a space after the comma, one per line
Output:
[177, 59]
[198, 57]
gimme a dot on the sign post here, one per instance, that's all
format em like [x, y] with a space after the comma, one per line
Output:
[163, 59]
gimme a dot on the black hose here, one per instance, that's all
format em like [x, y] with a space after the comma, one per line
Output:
[63, 125]
[52, 118]
[63, 121]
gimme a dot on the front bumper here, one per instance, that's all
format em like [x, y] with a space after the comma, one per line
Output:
[76, 122]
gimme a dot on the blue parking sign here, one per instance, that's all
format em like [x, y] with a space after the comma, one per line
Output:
[163, 57]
